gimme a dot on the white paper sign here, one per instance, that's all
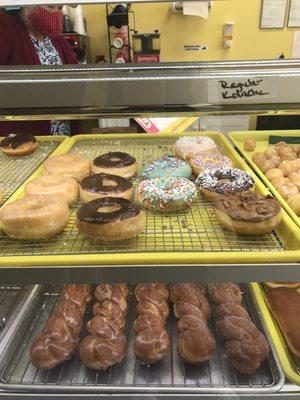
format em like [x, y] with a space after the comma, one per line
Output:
[273, 13]
[294, 15]
[195, 47]
[242, 90]
[296, 45]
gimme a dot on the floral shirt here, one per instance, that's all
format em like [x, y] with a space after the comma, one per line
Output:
[48, 55]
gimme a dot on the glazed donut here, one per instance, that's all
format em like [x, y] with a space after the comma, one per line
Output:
[258, 157]
[286, 190]
[248, 213]
[115, 163]
[275, 160]
[274, 173]
[281, 180]
[265, 166]
[296, 148]
[288, 155]
[208, 161]
[35, 217]
[98, 186]
[270, 152]
[287, 166]
[188, 146]
[249, 144]
[168, 194]
[294, 178]
[279, 145]
[72, 164]
[54, 184]
[110, 218]
[296, 164]
[18, 145]
[223, 181]
[165, 167]
[294, 202]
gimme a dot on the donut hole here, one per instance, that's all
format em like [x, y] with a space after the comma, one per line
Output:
[225, 180]
[168, 186]
[108, 182]
[115, 159]
[108, 209]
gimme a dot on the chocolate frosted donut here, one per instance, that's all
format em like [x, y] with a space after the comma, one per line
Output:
[110, 218]
[249, 206]
[16, 140]
[248, 213]
[116, 163]
[102, 185]
[18, 144]
[115, 159]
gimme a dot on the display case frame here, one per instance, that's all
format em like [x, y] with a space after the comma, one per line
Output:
[168, 89]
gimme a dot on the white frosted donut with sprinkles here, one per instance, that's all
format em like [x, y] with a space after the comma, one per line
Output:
[217, 182]
[187, 147]
[166, 194]
[208, 161]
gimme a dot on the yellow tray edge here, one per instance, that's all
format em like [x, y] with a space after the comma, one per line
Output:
[233, 136]
[289, 371]
[156, 258]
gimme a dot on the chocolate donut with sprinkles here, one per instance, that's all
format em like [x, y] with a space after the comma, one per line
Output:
[166, 194]
[217, 182]
[165, 167]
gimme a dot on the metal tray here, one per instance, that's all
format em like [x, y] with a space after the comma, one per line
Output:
[262, 143]
[170, 375]
[290, 363]
[10, 299]
[15, 170]
[188, 237]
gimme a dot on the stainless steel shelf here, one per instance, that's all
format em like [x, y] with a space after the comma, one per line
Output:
[151, 273]
[182, 88]
[43, 2]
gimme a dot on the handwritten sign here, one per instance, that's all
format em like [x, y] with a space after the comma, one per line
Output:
[242, 90]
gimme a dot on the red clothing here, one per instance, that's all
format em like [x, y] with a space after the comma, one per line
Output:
[16, 48]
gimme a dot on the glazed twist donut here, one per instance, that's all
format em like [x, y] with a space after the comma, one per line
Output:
[59, 339]
[106, 343]
[151, 343]
[245, 346]
[195, 342]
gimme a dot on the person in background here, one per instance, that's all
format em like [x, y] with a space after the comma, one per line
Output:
[33, 36]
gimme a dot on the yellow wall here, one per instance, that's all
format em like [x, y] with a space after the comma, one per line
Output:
[250, 42]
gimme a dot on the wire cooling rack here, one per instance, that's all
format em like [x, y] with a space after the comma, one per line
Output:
[193, 230]
[215, 375]
[15, 170]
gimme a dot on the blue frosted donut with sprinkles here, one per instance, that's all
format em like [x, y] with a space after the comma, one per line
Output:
[166, 166]
[166, 194]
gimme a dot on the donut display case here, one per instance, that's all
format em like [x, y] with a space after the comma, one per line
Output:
[173, 311]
